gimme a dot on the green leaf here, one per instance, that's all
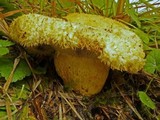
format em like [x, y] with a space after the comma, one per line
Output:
[21, 90]
[146, 100]
[8, 6]
[5, 43]
[21, 71]
[144, 37]
[3, 51]
[3, 113]
[132, 13]
[100, 3]
[3, 46]
[152, 61]
[65, 5]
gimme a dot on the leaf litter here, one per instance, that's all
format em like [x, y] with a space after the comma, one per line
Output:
[124, 96]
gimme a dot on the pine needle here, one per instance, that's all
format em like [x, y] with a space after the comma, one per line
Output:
[71, 105]
[9, 80]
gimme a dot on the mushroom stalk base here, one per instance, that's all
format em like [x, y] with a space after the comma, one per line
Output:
[81, 71]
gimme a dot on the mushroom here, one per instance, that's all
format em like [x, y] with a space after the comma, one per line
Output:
[86, 47]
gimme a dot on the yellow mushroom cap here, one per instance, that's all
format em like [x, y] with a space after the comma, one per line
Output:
[117, 46]
[95, 21]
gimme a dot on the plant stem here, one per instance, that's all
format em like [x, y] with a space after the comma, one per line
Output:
[120, 7]
[107, 7]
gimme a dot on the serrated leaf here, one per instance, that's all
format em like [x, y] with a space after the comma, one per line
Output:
[146, 100]
[21, 71]
[5, 43]
[152, 61]
[3, 51]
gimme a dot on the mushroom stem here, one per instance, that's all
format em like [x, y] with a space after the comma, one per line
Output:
[86, 47]
[81, 71]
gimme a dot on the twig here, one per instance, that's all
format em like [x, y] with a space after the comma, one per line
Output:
[60, 112]
[25, 57]
[128, 101]
[5, 117]
[10, 13]
[9, 80]
[71, 105]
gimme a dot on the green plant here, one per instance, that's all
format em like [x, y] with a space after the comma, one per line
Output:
[146, 100]
[7, 64]
[141, 16]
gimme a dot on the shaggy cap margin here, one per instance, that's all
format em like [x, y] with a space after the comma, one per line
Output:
[118, 47]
